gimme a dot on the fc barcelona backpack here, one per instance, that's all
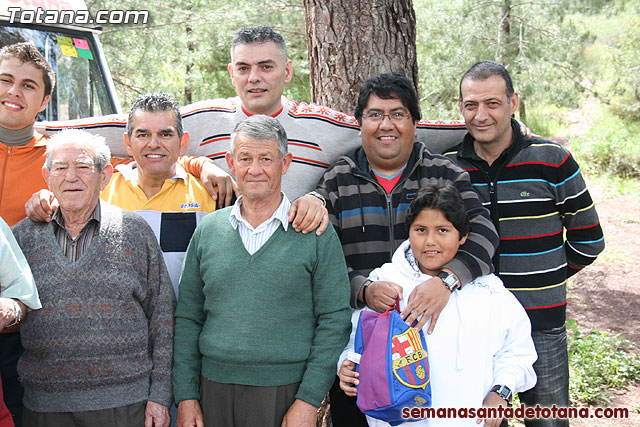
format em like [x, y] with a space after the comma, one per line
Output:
[393, 367]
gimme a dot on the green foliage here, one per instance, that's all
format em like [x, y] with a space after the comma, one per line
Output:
[611, 146]
[542, 50]
[626, 63]
[599, 362]
[184, 50]
[613, 58]
[616, 184]
[547, 121]
[555, 49]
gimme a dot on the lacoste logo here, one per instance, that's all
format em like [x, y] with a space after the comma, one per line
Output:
[525, 194]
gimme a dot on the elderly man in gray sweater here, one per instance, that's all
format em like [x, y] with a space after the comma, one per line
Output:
[99, 351]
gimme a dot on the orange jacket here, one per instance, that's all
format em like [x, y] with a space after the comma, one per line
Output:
[20, 176]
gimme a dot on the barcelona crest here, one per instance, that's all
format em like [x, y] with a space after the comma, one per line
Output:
[409, 357]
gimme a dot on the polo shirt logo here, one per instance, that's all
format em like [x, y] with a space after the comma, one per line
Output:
[525, 194]
[190, 205]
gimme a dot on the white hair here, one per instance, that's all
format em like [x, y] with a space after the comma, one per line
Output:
[81, 138]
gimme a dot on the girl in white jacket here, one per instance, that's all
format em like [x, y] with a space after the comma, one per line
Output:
[482, 341]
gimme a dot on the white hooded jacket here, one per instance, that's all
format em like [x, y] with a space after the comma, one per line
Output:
[482, 339]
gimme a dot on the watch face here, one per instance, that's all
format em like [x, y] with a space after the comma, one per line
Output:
[449, 279]
[505, 393]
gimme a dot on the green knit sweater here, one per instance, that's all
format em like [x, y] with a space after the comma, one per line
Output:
[273, 318]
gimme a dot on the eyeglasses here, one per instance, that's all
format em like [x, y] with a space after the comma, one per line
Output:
[396, 116]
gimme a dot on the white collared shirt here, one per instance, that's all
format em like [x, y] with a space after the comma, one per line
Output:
[254, 238]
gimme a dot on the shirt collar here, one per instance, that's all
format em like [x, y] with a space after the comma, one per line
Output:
[16, 137]
[129, 172]
[58, 219]
[468, 151]
[281, 213]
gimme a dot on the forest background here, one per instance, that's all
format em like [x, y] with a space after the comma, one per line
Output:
[575, 64]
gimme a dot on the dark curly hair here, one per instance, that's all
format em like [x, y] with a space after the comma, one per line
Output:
[445, 198]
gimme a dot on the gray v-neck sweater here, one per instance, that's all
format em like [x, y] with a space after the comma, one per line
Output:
[103, 337]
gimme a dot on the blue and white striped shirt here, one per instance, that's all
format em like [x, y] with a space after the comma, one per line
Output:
[254, 238]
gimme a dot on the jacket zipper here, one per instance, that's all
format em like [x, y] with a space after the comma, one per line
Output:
[493, 199]
[389, 198]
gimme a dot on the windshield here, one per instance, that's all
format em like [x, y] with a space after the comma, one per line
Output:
[80, 89]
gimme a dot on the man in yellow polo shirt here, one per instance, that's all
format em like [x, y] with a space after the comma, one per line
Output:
[156, 187]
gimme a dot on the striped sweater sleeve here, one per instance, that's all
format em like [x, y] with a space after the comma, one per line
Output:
[584, 239]
[474, 257]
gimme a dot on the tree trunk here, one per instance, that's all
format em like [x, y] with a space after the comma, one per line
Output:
[522, 110]
[506, 33]
[188, 92]
[349, 41]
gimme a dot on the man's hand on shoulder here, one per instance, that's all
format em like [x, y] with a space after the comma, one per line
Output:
[526, 131]
[300, 414]
[308, 213]
[427, 299]
[41, 205]
[381, 296]
[213, 177]
[156, 415]
[189, 414]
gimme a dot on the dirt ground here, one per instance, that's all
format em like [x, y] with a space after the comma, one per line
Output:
[606, 295]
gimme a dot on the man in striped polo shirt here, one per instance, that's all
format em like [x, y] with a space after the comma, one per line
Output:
[540, 205]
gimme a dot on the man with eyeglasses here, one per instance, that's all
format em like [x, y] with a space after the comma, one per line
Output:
[368, 193]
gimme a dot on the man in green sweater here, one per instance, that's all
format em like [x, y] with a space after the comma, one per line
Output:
[263, 311]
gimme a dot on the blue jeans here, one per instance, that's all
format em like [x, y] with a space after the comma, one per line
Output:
[552, 369]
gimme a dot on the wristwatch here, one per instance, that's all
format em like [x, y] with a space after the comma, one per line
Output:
[365, 285]
[450, 280]
[503, 391]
